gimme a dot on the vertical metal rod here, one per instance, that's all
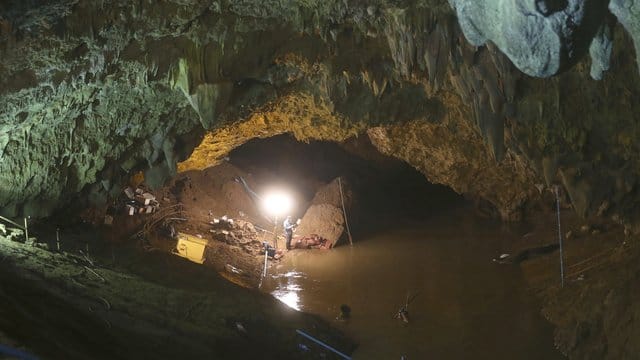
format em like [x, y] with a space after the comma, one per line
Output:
[559, 237]
[275, 232]
[58, 238]
[266, 257]
[26, 231]
[344, 211]
[264, 272]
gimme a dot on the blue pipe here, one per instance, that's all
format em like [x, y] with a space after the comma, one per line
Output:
[15, 353]
[322, 344]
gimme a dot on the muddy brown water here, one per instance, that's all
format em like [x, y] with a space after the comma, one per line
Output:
[467, 307]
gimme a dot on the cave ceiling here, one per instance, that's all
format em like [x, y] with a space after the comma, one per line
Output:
[496, 99]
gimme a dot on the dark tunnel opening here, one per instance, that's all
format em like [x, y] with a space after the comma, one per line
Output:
[387, 191]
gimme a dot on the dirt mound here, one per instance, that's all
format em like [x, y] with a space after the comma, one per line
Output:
[212, 192]
[239, 233]
[217, 207]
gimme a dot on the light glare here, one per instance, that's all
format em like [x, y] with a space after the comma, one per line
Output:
[277, 203]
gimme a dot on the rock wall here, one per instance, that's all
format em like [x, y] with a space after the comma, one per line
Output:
[94, 92]
[597, 316]
[540, 37]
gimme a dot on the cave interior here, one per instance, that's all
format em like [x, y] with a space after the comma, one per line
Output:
[482, 150]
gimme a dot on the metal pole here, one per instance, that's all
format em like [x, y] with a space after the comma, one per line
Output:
[266, 256]
[322, 344]
[58, 238]
[344, 211]
[26, 231]
[275, 232]
[559, 237]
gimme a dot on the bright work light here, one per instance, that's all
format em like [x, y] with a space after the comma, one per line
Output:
[277, 203]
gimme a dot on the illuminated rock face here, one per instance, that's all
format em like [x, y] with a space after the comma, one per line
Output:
[541, 37]
[93, 92]
[628, 14]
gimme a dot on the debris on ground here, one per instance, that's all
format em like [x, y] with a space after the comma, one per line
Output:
[224, 217]
[139, 201]
[14, 234]
[403, 312]
[312, 241]
[222, 241]
[232, 269]
[238, 232]
[162, 222]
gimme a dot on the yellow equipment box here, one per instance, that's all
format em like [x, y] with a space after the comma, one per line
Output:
[191, 247]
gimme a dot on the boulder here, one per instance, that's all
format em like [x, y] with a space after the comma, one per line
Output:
[325, 220]
[325, 217]
[330, 194]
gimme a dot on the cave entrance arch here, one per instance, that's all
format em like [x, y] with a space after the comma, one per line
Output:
[385, 190]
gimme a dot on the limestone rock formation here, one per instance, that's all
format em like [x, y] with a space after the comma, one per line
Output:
[628, 13]
[95, 92]
[543, 37]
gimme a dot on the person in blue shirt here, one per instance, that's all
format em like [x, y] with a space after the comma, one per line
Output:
[289, 225]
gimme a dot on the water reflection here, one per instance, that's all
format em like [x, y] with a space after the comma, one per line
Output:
[287, 289]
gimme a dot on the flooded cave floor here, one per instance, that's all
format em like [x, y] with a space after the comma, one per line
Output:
[133, 304]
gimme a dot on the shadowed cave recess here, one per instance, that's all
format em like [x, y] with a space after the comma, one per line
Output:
[467, 129]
